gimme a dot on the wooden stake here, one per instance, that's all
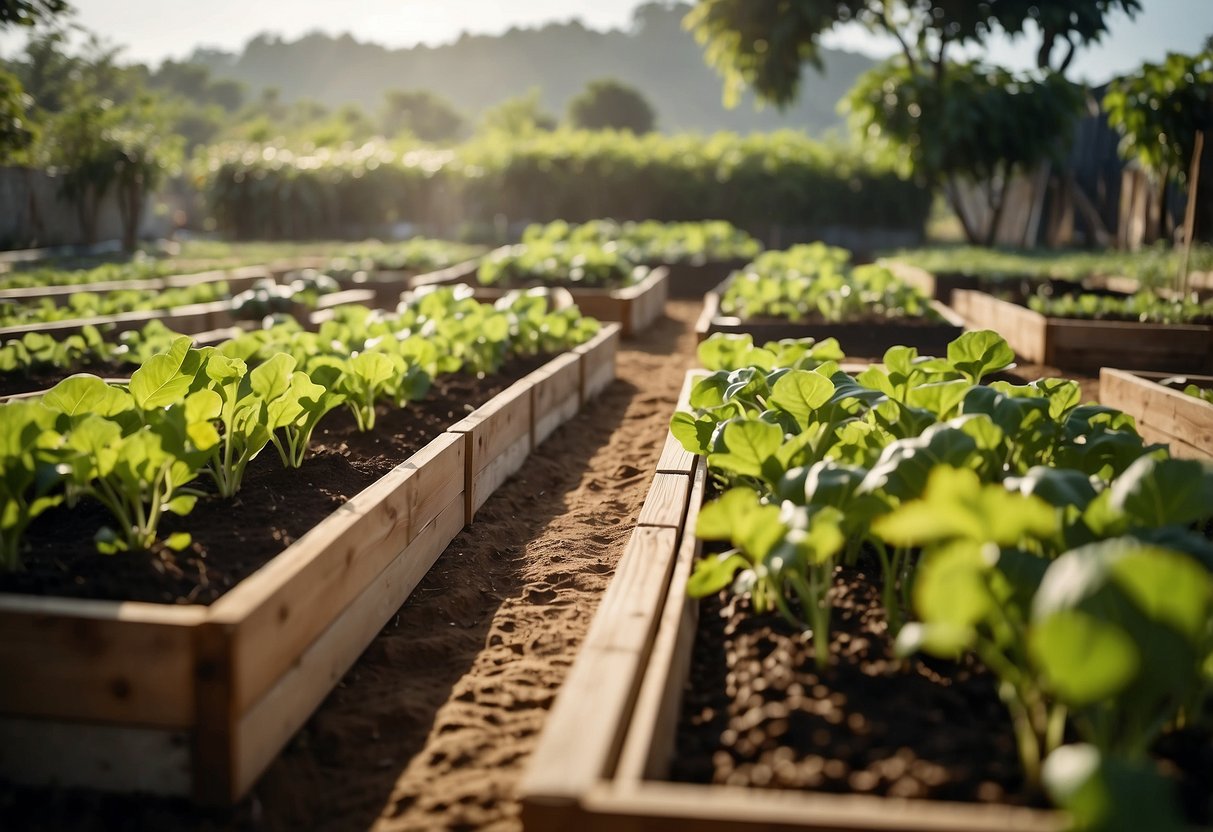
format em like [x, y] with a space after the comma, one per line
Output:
[1190, 212]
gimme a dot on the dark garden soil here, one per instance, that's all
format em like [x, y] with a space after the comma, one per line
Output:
[14, 383]
[758, 712]
[232, 538]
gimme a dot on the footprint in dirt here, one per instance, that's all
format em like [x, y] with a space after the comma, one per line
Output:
[625, 471]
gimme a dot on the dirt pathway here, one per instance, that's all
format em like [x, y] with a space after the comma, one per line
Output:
[433, 726]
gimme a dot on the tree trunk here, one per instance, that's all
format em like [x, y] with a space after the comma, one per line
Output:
[952, 192]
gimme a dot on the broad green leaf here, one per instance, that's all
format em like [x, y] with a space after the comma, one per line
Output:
[951, 587]
[749, 444]
[801, 393]
[160, 381]
[1162, 492]
[83, 394]
[979, 353]
[943, 639]
[695, 435]
[1084, 660]
[714, 572]
[272, 378]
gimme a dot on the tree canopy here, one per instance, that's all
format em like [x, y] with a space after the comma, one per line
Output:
[30, 12]
[945, 119]
[427, 116]
[607, 104]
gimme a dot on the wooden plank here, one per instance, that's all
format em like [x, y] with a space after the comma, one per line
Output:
[98, 661]
[675, 459]
[556, 395]
[1130, 346]
[1168, 415]
[583, 733]
[495, 427]
[275, 613]
[266, 727]
[489, 479]
[666, 503]
[679, 807]
[648, 743]
[598, 357]
[38, 752]
[1023, 329]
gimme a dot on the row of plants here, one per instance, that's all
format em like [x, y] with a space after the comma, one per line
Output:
[654, 242]
[94, 304]
[561, 263]
[417, 254]
[1154, 266]
[816, 282]
[263, 298]
[1145, 307]
[1010, 522]
[144, 449]
[753, 181]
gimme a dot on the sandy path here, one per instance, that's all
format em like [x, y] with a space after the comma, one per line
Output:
[434, 726]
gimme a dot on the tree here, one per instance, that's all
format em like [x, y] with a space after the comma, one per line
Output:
[945, 119]
[30, 12]
[429, 117]
[17, 129]
[518, 116]
[606, 104]
[1158, 110]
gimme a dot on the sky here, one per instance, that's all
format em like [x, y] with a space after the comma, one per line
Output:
[152, 30]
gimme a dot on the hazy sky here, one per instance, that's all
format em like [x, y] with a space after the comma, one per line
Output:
[152, 30]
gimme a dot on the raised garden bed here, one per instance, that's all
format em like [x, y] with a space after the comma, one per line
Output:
[856, 339]
[691, 281]
[1089, 344]
[941, 286]
[1163, 413]
[197, 700]
[634, 308]
[604, 760]
[237, 279]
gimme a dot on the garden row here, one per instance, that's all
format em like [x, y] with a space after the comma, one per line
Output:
[916, 582]
[924, 578]
[183, 663]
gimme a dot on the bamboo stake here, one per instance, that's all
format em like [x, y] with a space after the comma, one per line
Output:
[1190, 212]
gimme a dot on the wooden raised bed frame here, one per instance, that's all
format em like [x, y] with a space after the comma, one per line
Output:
[197, 701]
[1089, 345]
[610, 736]
[634, 308]
[866, 339]
[1163, 414]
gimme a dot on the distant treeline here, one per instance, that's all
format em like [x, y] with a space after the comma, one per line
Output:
[756, 182]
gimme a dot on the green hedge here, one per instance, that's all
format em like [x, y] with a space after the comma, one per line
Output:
[755, 182]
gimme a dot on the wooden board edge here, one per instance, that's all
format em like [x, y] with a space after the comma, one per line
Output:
[262, 730]
[114, 758]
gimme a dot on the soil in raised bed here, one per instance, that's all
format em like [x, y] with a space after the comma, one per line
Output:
[232, 538]
[43, 379]
[758, 713]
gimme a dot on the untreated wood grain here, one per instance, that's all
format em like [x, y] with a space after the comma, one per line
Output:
[666, 503]
[583, 733]
[1163, 414]
[677, 807]
[598, 361]
[498, 437]
[97, 661]
[648, 743]
[107, 757]
[556, 395]
[264, 728]
[275, 613]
